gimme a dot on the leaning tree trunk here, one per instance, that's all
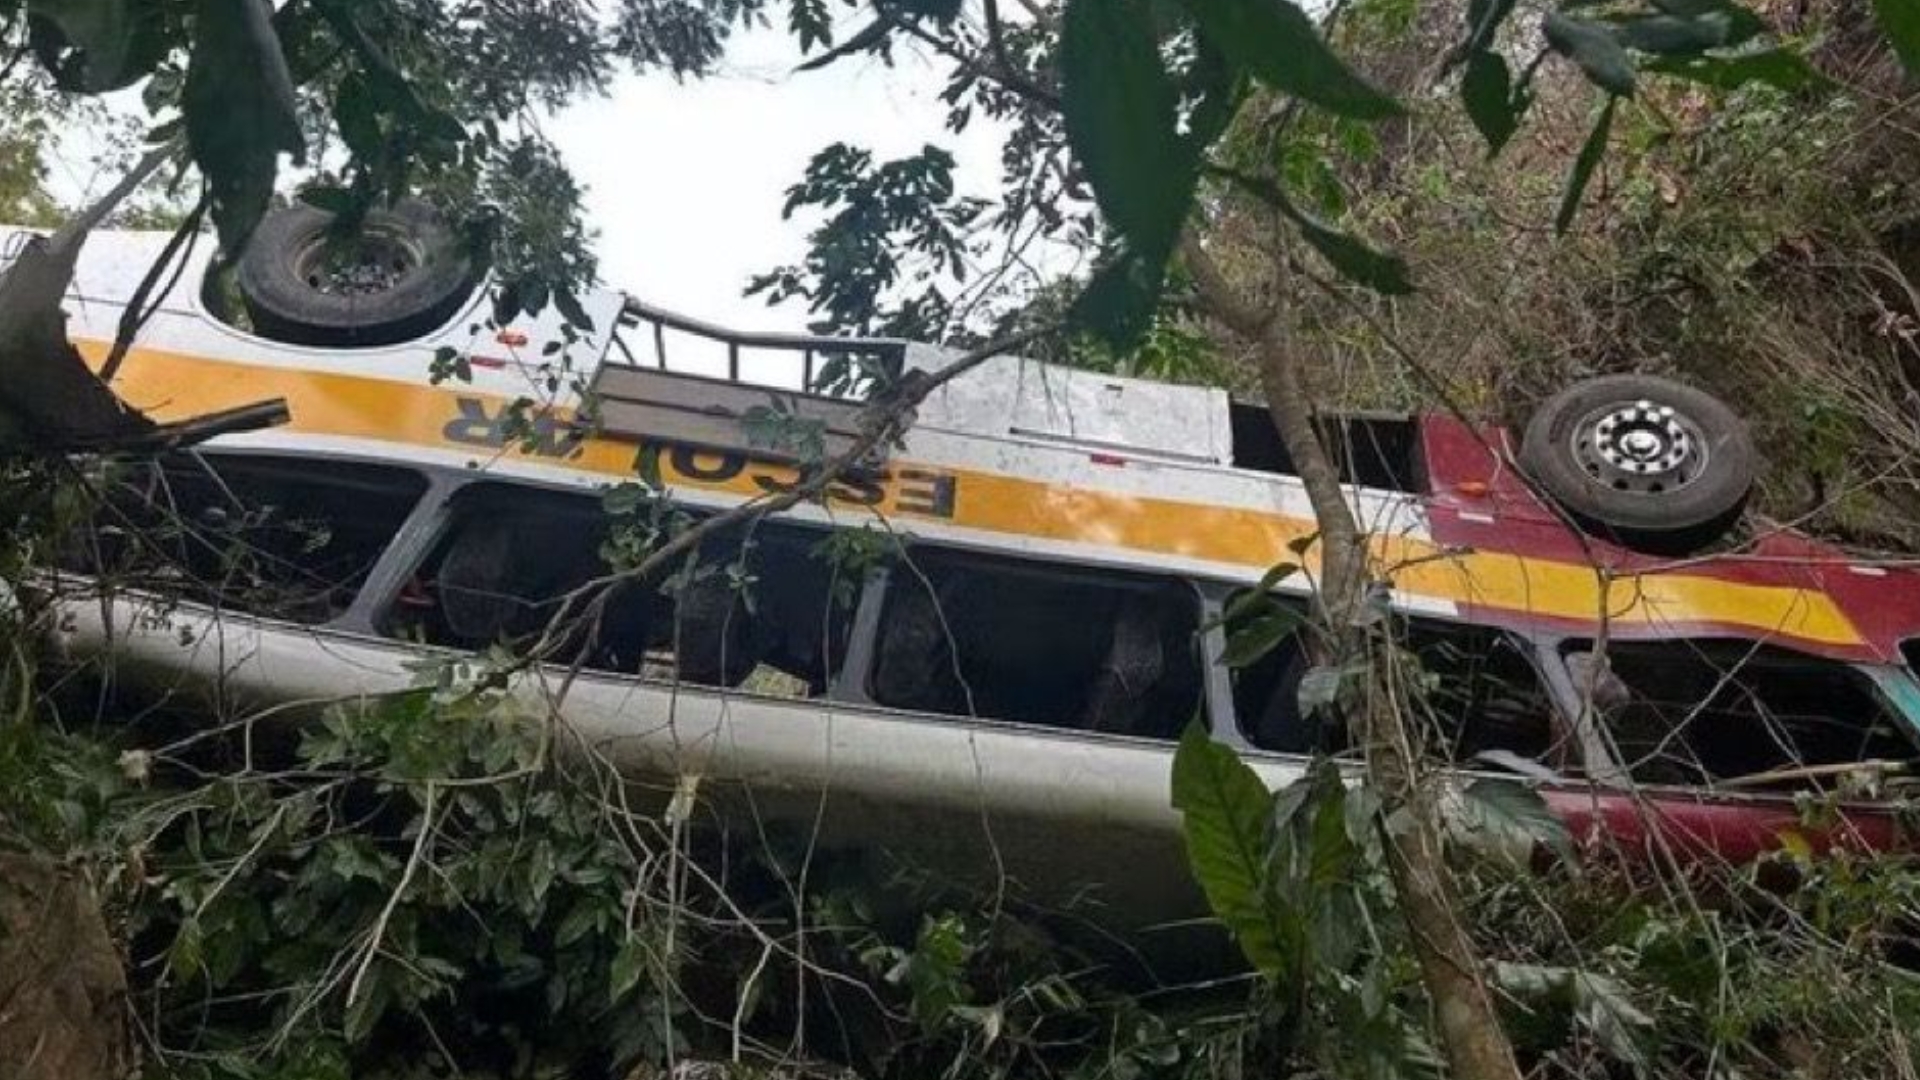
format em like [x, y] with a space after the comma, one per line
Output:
[1471, 1035]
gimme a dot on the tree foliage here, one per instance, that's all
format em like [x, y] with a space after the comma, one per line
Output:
[381, 100]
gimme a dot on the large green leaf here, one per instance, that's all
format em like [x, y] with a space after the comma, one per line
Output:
[1121, 118]
[105, 33]
[1258, 598]
[1216, 87]
[1900, 19]
[1590, 154]
[1487, 90]
[1512, 819]
[356, 109]
[1781, 68]
[1282, 47]
[1600, 1004]
[1252, 638]
[1689, 34]
[1227, 813]
[240, 112]
[1381, 271]
[1594, 48]
[1118, 303]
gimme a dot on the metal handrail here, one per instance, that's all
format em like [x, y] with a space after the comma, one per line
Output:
[891, 351]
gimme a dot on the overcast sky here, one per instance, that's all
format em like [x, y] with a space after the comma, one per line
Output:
[685, 180]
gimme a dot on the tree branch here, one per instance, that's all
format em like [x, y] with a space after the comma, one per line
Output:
[136, 313]
[1469, 1025]
[881, 423]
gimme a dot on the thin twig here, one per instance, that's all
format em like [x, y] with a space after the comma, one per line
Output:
[393, 900]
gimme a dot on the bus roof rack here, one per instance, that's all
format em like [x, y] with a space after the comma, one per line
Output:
[709, 350]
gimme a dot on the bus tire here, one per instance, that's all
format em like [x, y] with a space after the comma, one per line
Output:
[399, 278]
[1647, 462]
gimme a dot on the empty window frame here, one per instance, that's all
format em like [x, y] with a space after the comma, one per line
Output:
[1482, 699]
[1377, 450]
[1700, 712]
[289, 537]
[1473, 693]
[1033, 643]
[757, 610]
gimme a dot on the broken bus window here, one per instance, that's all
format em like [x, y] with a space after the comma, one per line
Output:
[756, 611]
[978, 636]
[1697, 712]
[1476, 689]
[289, 538]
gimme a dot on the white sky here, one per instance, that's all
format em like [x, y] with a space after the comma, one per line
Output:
[685, 180]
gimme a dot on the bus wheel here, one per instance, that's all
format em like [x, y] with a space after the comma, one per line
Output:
[1645, 461]
[400, 277]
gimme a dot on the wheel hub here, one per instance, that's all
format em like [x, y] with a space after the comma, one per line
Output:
[1640, 446]
[357, 266]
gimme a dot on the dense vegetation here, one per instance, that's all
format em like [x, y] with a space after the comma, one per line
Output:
[441, 883]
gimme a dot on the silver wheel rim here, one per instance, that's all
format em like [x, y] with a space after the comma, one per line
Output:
[1641, 447]
[376, 261]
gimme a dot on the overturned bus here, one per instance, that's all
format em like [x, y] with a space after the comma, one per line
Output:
[994, 674]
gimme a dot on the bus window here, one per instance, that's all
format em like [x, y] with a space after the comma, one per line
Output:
[1474, 692]
[995, 638]
[1698, 712]
[1483, 700]
[757, 611]
[291, 538]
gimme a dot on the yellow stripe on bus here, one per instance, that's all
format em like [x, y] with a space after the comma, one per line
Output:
[172, 386]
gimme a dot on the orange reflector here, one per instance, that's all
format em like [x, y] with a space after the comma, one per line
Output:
[511, 338]
[1471, 487]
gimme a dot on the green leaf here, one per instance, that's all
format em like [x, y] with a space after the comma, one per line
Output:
[1693, 9]
[1381, 271]
[240, 112]
[1900, 20]
[1121, 120]
[1281, 46]
[1320, 688]
[1514, 818]
[1260, 635]
[1487, 90]
[1226, 812]
[1683, 35]
[572, 310]
[1256, 598]
[104, 32]
[1599, 1004]
[334, 200]
[356, 109]
[1217, 87]
[1118, 303]
[186, 955]
[628, 964]
[1781, 68]
[1590, 154]
[1595, 49]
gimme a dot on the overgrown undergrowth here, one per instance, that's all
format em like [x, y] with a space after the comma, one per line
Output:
[439, 884]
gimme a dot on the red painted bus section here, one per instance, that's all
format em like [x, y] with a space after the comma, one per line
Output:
[1478, 500]
[1657, 822]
